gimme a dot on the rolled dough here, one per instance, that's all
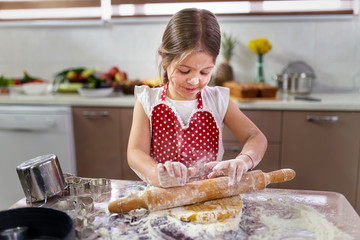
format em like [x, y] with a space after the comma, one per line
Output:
[209, 211]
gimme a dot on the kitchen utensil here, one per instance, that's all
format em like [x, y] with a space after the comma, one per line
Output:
[68, 175]
[76, 186]
[83, 228]
[42, 223]
[72, 180]
[16, 233]
[100, 185]
[307, 98]
[198, 191]
[297, 78]
[100, 189]
[75, 205]
[298, 67]
[41, 177]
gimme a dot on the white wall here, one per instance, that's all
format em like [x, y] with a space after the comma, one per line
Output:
[329, 44]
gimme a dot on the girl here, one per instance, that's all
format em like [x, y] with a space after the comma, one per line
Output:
[176, 133]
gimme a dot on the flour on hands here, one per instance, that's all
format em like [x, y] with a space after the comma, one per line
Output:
[233, 168]
[173, 174]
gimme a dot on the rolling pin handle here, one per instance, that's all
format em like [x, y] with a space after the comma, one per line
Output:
[127, 204]
[282, 175]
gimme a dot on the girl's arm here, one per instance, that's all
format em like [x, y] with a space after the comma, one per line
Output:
[169, 174]
[254, 141]
[138, 152]
[250, 136]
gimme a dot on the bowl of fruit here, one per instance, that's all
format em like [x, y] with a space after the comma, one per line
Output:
[36, 88]
[32, 85]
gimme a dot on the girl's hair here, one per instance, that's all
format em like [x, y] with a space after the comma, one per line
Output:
[189, 30]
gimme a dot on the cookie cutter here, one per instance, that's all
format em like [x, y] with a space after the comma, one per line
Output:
[66, 175]
[76, 186]
[100, 189]
[72, 180]
[75, 206]
[100, 185]
[76, 189]
[83, 228]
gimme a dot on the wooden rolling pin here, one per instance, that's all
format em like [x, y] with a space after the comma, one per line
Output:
[199, 191]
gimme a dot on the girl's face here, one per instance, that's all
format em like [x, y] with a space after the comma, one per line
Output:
[190, 76]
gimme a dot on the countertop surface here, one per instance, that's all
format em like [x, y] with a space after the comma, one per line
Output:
[266, 214]
[348, 101]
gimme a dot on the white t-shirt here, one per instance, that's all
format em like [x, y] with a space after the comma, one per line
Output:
[184, 108]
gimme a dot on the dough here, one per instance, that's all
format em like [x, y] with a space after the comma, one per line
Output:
[209, 211]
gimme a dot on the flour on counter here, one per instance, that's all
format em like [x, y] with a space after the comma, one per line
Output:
[302, 222]
[264, 216]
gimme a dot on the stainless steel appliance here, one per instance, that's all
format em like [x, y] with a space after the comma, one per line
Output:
[296, 78]
[27, 132]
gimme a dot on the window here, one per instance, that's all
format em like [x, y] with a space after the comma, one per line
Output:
[18, 10]
[122, 8]
[50, 9]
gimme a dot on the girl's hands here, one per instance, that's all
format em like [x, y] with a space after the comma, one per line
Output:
[173, 174]
[233, 168]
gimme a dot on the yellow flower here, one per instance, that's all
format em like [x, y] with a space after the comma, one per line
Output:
[260, 45]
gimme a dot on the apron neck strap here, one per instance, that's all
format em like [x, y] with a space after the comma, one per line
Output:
[165, 88]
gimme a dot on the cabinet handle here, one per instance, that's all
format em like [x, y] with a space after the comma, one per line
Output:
[331, 119]
[92, 114]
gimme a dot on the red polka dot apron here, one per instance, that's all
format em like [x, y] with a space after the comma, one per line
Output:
[193, 145]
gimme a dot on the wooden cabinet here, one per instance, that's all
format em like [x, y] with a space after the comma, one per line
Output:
[357, 205]
[323, 149]
[101, 136]
[126, 121]
[269, 122]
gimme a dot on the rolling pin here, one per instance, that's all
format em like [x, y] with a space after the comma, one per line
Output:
[156, 198]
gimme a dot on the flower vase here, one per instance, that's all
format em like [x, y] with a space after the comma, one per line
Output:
[260, 70]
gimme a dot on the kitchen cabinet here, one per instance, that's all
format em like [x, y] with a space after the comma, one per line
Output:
[269, 122]
[98, 142]
[323, 149]
[126, 120]
[101, 140]
[357, 205]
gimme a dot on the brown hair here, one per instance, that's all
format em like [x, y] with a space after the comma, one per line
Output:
[187, 31]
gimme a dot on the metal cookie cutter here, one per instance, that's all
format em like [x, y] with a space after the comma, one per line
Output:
[83, 228]
[75, 206]
[100, 189]
[66, 175]
[72, 179]
[76, 186]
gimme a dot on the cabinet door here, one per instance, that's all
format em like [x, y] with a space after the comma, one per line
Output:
[126, 121]
[98, 142]
[323, 149]
[269, 122]
[357, 205]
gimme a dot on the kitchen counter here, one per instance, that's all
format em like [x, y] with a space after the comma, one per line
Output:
[271, 212]
[329, 101]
